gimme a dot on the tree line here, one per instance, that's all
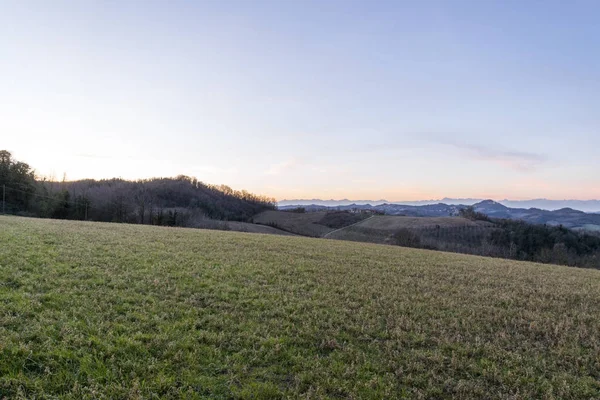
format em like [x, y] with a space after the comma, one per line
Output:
[159, 201]
[506, 238]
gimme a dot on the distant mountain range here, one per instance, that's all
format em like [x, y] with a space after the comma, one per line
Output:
[592, 206]
[567, 217]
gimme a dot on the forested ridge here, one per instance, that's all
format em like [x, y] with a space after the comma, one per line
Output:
[511, 239]
[158, 201]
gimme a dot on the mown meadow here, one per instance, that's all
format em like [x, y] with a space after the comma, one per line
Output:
[110, 311]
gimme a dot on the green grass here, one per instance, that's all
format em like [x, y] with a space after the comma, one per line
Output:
[92, 310]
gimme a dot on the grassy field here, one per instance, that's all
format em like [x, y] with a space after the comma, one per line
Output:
[93, 310]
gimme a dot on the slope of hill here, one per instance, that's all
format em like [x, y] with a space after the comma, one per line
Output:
[237, 227]
[255, 228]
[312, 224]
[384, 229]
[94, 310]
[503, 238]
[393, 223]
[305, 224]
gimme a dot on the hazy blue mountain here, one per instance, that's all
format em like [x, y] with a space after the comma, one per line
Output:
[545, 204]
[589, 206]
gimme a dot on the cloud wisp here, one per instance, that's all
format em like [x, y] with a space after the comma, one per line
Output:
[517, 160]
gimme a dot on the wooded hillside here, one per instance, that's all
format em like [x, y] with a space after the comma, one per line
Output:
[158, 201]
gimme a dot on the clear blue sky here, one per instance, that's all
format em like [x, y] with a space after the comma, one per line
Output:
[399, 100]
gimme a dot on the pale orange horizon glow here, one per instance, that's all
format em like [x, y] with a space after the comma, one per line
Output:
[286, 183]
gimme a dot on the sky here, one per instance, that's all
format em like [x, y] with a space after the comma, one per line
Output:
[398, 100]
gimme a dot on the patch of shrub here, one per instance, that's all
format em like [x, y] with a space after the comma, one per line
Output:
[340, 219]
[299, 210]
[406, 238]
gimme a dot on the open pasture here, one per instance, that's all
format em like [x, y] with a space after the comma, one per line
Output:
[97, 310]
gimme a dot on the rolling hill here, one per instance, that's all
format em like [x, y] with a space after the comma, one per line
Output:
[359, 226]
[505, 238]
[382, 228]
[567, 217]
[314, 224]
[97, 310]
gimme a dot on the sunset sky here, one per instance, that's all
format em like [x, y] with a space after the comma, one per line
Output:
[401, 100]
